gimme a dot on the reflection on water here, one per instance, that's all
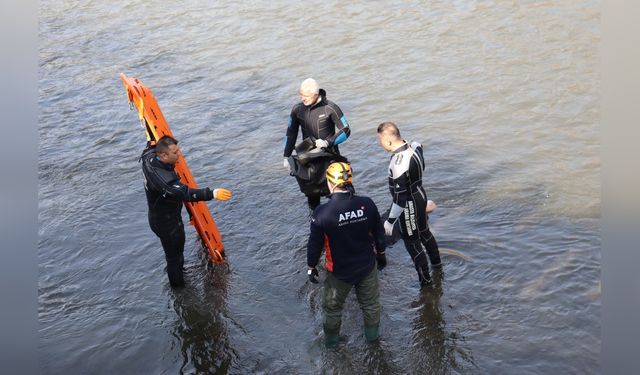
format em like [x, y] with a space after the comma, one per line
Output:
[438, 348]
[201, 325]
[371, 358]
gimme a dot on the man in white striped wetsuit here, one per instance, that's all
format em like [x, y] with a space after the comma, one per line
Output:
[409, 207]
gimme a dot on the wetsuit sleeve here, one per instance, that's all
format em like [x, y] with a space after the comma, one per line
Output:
[399, 194]
[292, 133]
[315, 243]
[343, 131]
[168, 184]
[195, 195]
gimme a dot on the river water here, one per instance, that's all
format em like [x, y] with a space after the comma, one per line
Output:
[502, 94]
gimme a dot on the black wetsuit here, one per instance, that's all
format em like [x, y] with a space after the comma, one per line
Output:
[349, 229]
[409, 207]
[165, 194]
[322, 120]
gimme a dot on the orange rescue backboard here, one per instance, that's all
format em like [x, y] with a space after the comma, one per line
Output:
[155, 127]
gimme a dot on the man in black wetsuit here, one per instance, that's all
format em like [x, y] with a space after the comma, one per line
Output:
[409, 207]
[165, 194]
[349, 229]
[320, 119]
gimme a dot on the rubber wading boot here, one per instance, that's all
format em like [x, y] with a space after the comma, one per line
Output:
[331, 341]
[371, 333]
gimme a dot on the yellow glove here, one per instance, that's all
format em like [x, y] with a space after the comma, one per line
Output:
[221, 194]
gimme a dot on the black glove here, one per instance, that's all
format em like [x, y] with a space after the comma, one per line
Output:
[382, 260]
[313, 274]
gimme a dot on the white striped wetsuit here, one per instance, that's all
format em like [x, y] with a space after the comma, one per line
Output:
[409, 207]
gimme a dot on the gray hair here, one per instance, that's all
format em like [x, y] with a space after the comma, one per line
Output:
[309, 85]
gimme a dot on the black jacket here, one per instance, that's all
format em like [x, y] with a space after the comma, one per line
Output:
[348, 227]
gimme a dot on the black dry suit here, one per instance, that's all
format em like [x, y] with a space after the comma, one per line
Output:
[309, 166]
[322, 120]
[165, 194]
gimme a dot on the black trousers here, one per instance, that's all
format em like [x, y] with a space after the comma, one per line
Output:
[418, 239]
[171, 234]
